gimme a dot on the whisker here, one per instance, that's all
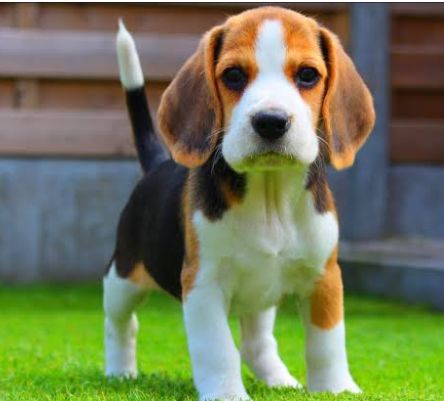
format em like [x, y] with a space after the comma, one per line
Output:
[321, 139]
[217, 156]
[216, 132]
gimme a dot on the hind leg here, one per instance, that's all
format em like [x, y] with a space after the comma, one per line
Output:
[121, 296]
[260, 351]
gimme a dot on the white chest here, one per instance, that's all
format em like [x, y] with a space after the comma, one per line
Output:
[260, 251]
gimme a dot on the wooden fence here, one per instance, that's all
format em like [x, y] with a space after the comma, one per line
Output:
[58, 67]
[417, 80]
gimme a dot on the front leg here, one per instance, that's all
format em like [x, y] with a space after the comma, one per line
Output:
[323, 318]
[214, 357]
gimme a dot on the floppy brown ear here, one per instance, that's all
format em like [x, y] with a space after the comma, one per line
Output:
[190, 113]
[347, 111]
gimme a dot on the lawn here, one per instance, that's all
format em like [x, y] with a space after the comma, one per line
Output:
[51, 349]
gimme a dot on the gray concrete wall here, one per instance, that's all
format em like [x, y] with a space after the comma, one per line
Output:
[416, 203]
[58, 218]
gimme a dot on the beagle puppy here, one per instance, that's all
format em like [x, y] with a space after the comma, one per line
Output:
[241, 213]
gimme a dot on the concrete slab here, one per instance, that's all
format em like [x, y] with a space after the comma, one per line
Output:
[407, 269]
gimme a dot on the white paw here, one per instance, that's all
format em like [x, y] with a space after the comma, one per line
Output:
[282, 379]
[272, 371]
[225, 397]
[333, 382]
[352, 387]
[128, 373]
[120, 362]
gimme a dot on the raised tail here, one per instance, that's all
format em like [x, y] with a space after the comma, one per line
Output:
[149, 149]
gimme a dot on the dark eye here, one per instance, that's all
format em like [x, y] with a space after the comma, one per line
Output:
[235, 78]
[307, 77]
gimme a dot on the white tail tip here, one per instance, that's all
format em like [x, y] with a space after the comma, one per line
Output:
[130, 70]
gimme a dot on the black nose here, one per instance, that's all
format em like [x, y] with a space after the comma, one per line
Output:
[270, 124]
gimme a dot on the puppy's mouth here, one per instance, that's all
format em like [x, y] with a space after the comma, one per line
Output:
[268, 161]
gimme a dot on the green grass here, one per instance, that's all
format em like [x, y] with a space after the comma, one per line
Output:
[51, 349]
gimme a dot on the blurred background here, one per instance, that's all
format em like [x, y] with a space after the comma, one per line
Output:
[67, 161]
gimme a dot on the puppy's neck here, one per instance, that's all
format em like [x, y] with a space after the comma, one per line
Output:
[273, 193]
[216, 188]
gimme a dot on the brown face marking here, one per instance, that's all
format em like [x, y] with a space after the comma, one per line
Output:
[237, 51]
[139, 275]
[303, 50]
[327, 298]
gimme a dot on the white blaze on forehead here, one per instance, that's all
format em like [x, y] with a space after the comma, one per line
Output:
[270, 47]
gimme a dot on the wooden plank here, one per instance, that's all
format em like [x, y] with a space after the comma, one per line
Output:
[411, 30]
[88, 55]
[7, 93]
[412, 103]
[417, 141]
[91, 95]
[27, 90]
[91, 134]
[417, 67]
[418, 9]
[27, 93]
[7, 14]
[26, 15]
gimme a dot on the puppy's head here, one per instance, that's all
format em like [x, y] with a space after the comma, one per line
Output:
[269, 87]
